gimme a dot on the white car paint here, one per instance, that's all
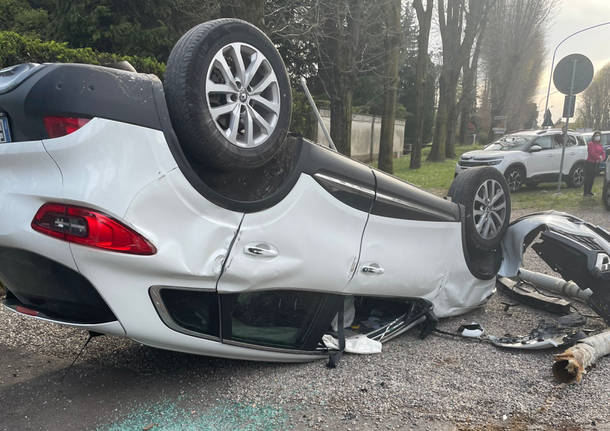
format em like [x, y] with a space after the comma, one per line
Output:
[431, 270]
[316, 239]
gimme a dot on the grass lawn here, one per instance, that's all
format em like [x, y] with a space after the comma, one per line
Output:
[436, 177]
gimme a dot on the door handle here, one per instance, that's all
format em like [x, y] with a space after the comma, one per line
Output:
[372, 268]
[260, 249]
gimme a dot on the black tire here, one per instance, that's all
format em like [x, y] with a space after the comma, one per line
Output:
[515, 177]
[469, 189]
[576, 178]
[606, 193]
[192, 68]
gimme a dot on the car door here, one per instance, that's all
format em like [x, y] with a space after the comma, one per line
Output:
[297, 256]
[408, 243]
[573, 154]
[542, 162]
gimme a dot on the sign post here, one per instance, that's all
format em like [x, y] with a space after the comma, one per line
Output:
[572, 75]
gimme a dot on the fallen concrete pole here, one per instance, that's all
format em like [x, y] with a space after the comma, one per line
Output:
[571, 365]
[554, 284]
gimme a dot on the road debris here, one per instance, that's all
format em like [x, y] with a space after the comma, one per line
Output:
[571, 365]
[568, 289]
[545, 336]
[527, 293]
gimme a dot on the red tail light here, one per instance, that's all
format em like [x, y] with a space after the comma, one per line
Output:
[88, 227]
[61, 126]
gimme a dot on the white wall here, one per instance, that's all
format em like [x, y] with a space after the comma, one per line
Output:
[361, 135]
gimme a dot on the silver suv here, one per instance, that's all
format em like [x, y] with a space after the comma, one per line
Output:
[531, 157]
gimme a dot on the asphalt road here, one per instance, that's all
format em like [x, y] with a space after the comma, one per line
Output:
[435, 383]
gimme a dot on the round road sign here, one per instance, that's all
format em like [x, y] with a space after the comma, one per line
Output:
[583, 74]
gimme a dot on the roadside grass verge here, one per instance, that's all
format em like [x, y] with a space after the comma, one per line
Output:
[436, 177]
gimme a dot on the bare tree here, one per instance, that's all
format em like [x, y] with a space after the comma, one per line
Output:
[594, 109]
[511, 52]
[392, 34]
[424, 18]
[467, 103]
[338, 33]
[457, 42]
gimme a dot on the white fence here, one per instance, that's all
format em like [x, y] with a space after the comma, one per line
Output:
[365, 135]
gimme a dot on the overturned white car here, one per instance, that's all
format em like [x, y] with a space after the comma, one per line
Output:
[181, 215]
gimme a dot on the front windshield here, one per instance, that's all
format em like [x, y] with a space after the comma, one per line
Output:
[510, 143]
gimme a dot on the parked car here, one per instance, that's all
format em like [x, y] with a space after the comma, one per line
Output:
[530, 157]
[605, 143]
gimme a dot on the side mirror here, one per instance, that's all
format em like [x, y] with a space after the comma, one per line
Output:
[535, 148]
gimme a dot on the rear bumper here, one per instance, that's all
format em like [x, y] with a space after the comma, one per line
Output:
[51, 289]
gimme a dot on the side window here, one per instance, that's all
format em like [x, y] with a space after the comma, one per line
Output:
[281, 319]
[571, 141]
[190, 310]
[557, 141]
[545, 142]
[605, 139]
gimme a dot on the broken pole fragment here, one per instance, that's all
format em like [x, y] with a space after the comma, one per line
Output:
[571, 365]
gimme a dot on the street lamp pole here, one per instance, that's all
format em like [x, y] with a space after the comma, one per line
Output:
[548, 90]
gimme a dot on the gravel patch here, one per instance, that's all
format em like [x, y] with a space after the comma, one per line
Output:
[435, 383]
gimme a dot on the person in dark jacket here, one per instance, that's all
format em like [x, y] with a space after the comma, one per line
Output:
[595, 155]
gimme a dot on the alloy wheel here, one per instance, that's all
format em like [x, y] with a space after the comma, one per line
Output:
[489, 209]
[514, 180]
[578, 176]
[243, 96]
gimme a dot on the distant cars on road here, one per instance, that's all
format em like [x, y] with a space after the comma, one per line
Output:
[530, 157]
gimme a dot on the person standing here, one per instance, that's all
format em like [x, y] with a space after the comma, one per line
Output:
[595, 155]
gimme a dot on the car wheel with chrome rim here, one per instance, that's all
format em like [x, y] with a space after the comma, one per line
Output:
[484, 193]
[228, 95]
[577, 176]
[514, 178]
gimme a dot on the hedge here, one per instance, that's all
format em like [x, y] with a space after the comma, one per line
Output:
[16, 48]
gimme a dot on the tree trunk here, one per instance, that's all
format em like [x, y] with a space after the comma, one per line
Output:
[467, 103]
[469, 87]
[339, 38]
[451, 114]
[437, 152]
[390, 85]
[458, 27]
[424, 18]
[341, 121]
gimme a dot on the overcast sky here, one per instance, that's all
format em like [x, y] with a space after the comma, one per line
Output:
[569, 17]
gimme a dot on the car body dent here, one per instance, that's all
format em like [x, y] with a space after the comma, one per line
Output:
[315, 240]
